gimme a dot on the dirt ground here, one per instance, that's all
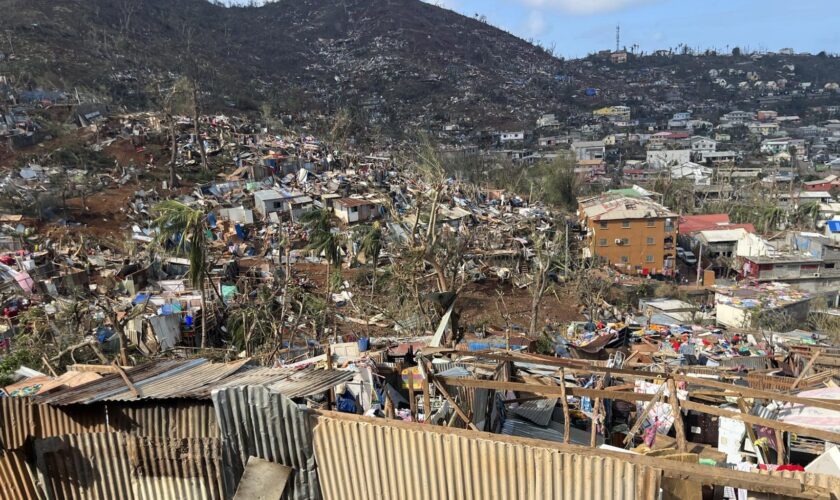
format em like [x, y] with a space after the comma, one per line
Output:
[481, 305]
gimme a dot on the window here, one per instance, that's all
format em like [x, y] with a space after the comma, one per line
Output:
[625, 241]
[625, 224]
[602, 242]
[829, 265]
[603, 225]
[354, 210]
[625, 259]
[650, 223]
[649, 259]
[651, 240]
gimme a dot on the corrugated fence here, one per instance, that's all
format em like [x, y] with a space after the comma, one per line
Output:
[17, 480]
[257, 422]
[358, 459]
[112, 465]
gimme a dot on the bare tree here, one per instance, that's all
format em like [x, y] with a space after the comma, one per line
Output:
[548, 261]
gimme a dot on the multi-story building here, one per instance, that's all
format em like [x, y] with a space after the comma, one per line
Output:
[588, 150]
[636, 235]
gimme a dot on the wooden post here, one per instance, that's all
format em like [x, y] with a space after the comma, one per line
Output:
[780, 447]
[389, 407]
[427, 399]
[596, 409]
[807, 368]
[331, 397]
[645, 411]
[566, 417]
[412, 399]
[751, 432]
[127, 380]
[466, 418]
[679, 426]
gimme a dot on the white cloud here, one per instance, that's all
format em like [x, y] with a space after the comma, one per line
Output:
[587, 6]
[535, 25]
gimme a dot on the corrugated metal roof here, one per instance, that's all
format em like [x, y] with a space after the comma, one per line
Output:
[195, 379]
[290, 383]
[109, 384]
[750, 362]
[256, 421]
[115, 465]
[178, 382]
[360, 459]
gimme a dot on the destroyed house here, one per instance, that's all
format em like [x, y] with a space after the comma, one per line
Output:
[351, 210]
[270, 201]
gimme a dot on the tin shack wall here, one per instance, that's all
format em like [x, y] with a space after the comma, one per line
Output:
[359, 459]
[112, 465]
[256, 421]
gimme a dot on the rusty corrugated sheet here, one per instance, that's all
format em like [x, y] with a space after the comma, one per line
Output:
[290, 383]
[362, 459]
[110, 384]
[83, 466]
[114, 465]
[175, 468]
[17, 422]
[17, 480]
[749, 362]
[189, 379]
[256, 421]
[178, 418]
[77, 419]
[195, 378]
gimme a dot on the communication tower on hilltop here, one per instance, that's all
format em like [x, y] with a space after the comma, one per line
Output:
[617, 36]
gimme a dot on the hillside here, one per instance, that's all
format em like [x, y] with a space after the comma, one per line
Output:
[402, 60]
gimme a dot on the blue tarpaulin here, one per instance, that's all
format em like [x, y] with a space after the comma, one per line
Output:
[834, 226]
[141, 297]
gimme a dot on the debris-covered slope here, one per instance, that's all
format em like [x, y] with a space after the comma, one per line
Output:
[397, 58]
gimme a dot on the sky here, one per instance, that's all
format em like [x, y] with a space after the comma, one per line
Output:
[576, 28]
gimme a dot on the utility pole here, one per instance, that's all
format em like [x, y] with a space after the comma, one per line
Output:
[699, 262]
[566, 272]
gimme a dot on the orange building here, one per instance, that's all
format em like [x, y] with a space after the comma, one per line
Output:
[635, 235]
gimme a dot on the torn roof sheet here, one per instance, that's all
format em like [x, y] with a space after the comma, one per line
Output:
[196, 378]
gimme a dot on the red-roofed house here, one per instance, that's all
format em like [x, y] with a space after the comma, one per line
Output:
[712, 238]
[827, 184]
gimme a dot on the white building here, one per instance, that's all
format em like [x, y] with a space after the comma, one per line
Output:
[512, 136]
[701, 144]
[588, 150]
[715, 157]
[702, 176]
[660, 159]
[547, 120]
[737, 117]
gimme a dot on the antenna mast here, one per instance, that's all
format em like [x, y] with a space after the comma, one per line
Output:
[617, 36]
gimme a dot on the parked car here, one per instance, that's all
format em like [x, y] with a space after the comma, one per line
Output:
[689, 258]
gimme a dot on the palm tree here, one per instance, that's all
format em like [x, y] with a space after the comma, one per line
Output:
[188, 228]
[770, 218]
[322, 240]
[371, 247]
[808, 214]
